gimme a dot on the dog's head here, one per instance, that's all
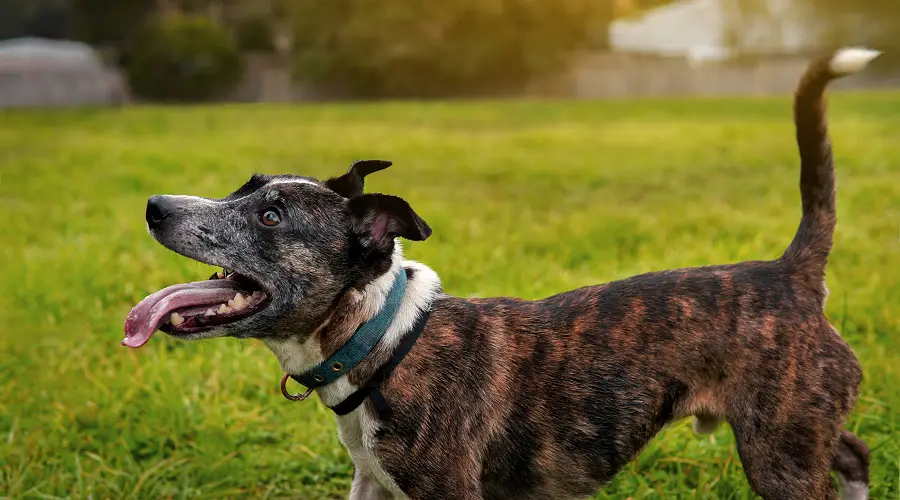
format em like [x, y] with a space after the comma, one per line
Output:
[289, 247]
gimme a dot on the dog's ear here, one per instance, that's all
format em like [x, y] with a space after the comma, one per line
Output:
[379, 218]
[351, 183]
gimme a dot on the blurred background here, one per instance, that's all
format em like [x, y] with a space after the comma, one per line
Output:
[76, 52]
[550, 144]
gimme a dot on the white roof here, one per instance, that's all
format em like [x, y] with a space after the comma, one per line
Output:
[700, 30]
[43, 51]
[691, 27]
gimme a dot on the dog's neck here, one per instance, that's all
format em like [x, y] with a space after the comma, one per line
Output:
[353, 309]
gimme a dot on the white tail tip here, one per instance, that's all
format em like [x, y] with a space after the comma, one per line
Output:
[851, 60]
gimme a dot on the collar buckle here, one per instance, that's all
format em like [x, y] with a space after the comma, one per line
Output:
[293, 397]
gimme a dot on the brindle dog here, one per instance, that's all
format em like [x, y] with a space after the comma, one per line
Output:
[508, 398]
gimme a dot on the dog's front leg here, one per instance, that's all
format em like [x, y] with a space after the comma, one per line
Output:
[366, 488]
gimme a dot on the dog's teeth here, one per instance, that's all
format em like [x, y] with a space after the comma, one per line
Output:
[223, 309]
[239, 302]
[209, 312]
[176, 319]
[220, 274]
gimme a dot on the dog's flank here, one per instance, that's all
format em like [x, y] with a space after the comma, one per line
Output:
[509, 398]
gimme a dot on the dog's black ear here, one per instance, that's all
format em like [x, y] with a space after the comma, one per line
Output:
[379, 218]
[351, 183]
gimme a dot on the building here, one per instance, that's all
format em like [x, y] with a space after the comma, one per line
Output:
[714, 30]
[37, 72]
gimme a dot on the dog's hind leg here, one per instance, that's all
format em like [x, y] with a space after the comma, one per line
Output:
[851, 465]
[787, 462]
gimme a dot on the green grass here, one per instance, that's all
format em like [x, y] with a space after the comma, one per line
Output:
[525, 199]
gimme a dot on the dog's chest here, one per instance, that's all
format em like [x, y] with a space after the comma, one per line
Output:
[357, 433]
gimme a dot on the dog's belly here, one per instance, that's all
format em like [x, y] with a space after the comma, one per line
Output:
[357, 433]
[564, 455]
[503, 490]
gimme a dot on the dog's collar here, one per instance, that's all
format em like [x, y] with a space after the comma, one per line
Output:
[370, 388]
[326, 371]
[364, 339]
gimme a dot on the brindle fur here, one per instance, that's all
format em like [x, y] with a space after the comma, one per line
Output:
[508, 398]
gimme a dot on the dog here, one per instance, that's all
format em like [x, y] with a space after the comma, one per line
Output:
[440, 397]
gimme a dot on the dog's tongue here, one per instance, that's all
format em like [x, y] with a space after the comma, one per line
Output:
[148, 315]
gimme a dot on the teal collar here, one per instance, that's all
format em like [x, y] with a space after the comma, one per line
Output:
[364, 339]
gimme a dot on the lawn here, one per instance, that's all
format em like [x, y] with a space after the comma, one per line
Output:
[525, 199]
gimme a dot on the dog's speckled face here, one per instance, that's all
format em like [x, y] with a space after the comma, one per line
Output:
[289, 247]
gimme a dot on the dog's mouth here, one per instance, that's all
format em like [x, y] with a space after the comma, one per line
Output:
[190, 308]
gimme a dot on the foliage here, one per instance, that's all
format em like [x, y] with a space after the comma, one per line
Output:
[42, 18]
[255, 34]
[525, 199]
[105, 21]
[115, 21]
[181, 58]
[403, 48]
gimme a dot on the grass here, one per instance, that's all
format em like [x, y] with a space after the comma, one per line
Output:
[525, 199]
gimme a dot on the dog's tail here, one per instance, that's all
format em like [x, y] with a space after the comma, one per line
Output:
[812, 243]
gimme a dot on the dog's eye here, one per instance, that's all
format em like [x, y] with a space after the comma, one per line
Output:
[270, 217]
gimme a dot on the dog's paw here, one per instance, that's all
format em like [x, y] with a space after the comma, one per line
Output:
[852, 490]
[706, 424]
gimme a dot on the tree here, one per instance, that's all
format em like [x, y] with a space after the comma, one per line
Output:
[179, 57]
[403, 48]
[869, 22]
[43, 18]
[110, 21]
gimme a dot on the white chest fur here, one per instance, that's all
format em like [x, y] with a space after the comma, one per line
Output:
[357, 433]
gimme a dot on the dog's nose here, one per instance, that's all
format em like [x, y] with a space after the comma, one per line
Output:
[158, 208]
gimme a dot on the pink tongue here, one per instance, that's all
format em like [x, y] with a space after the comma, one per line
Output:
[147, 316]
